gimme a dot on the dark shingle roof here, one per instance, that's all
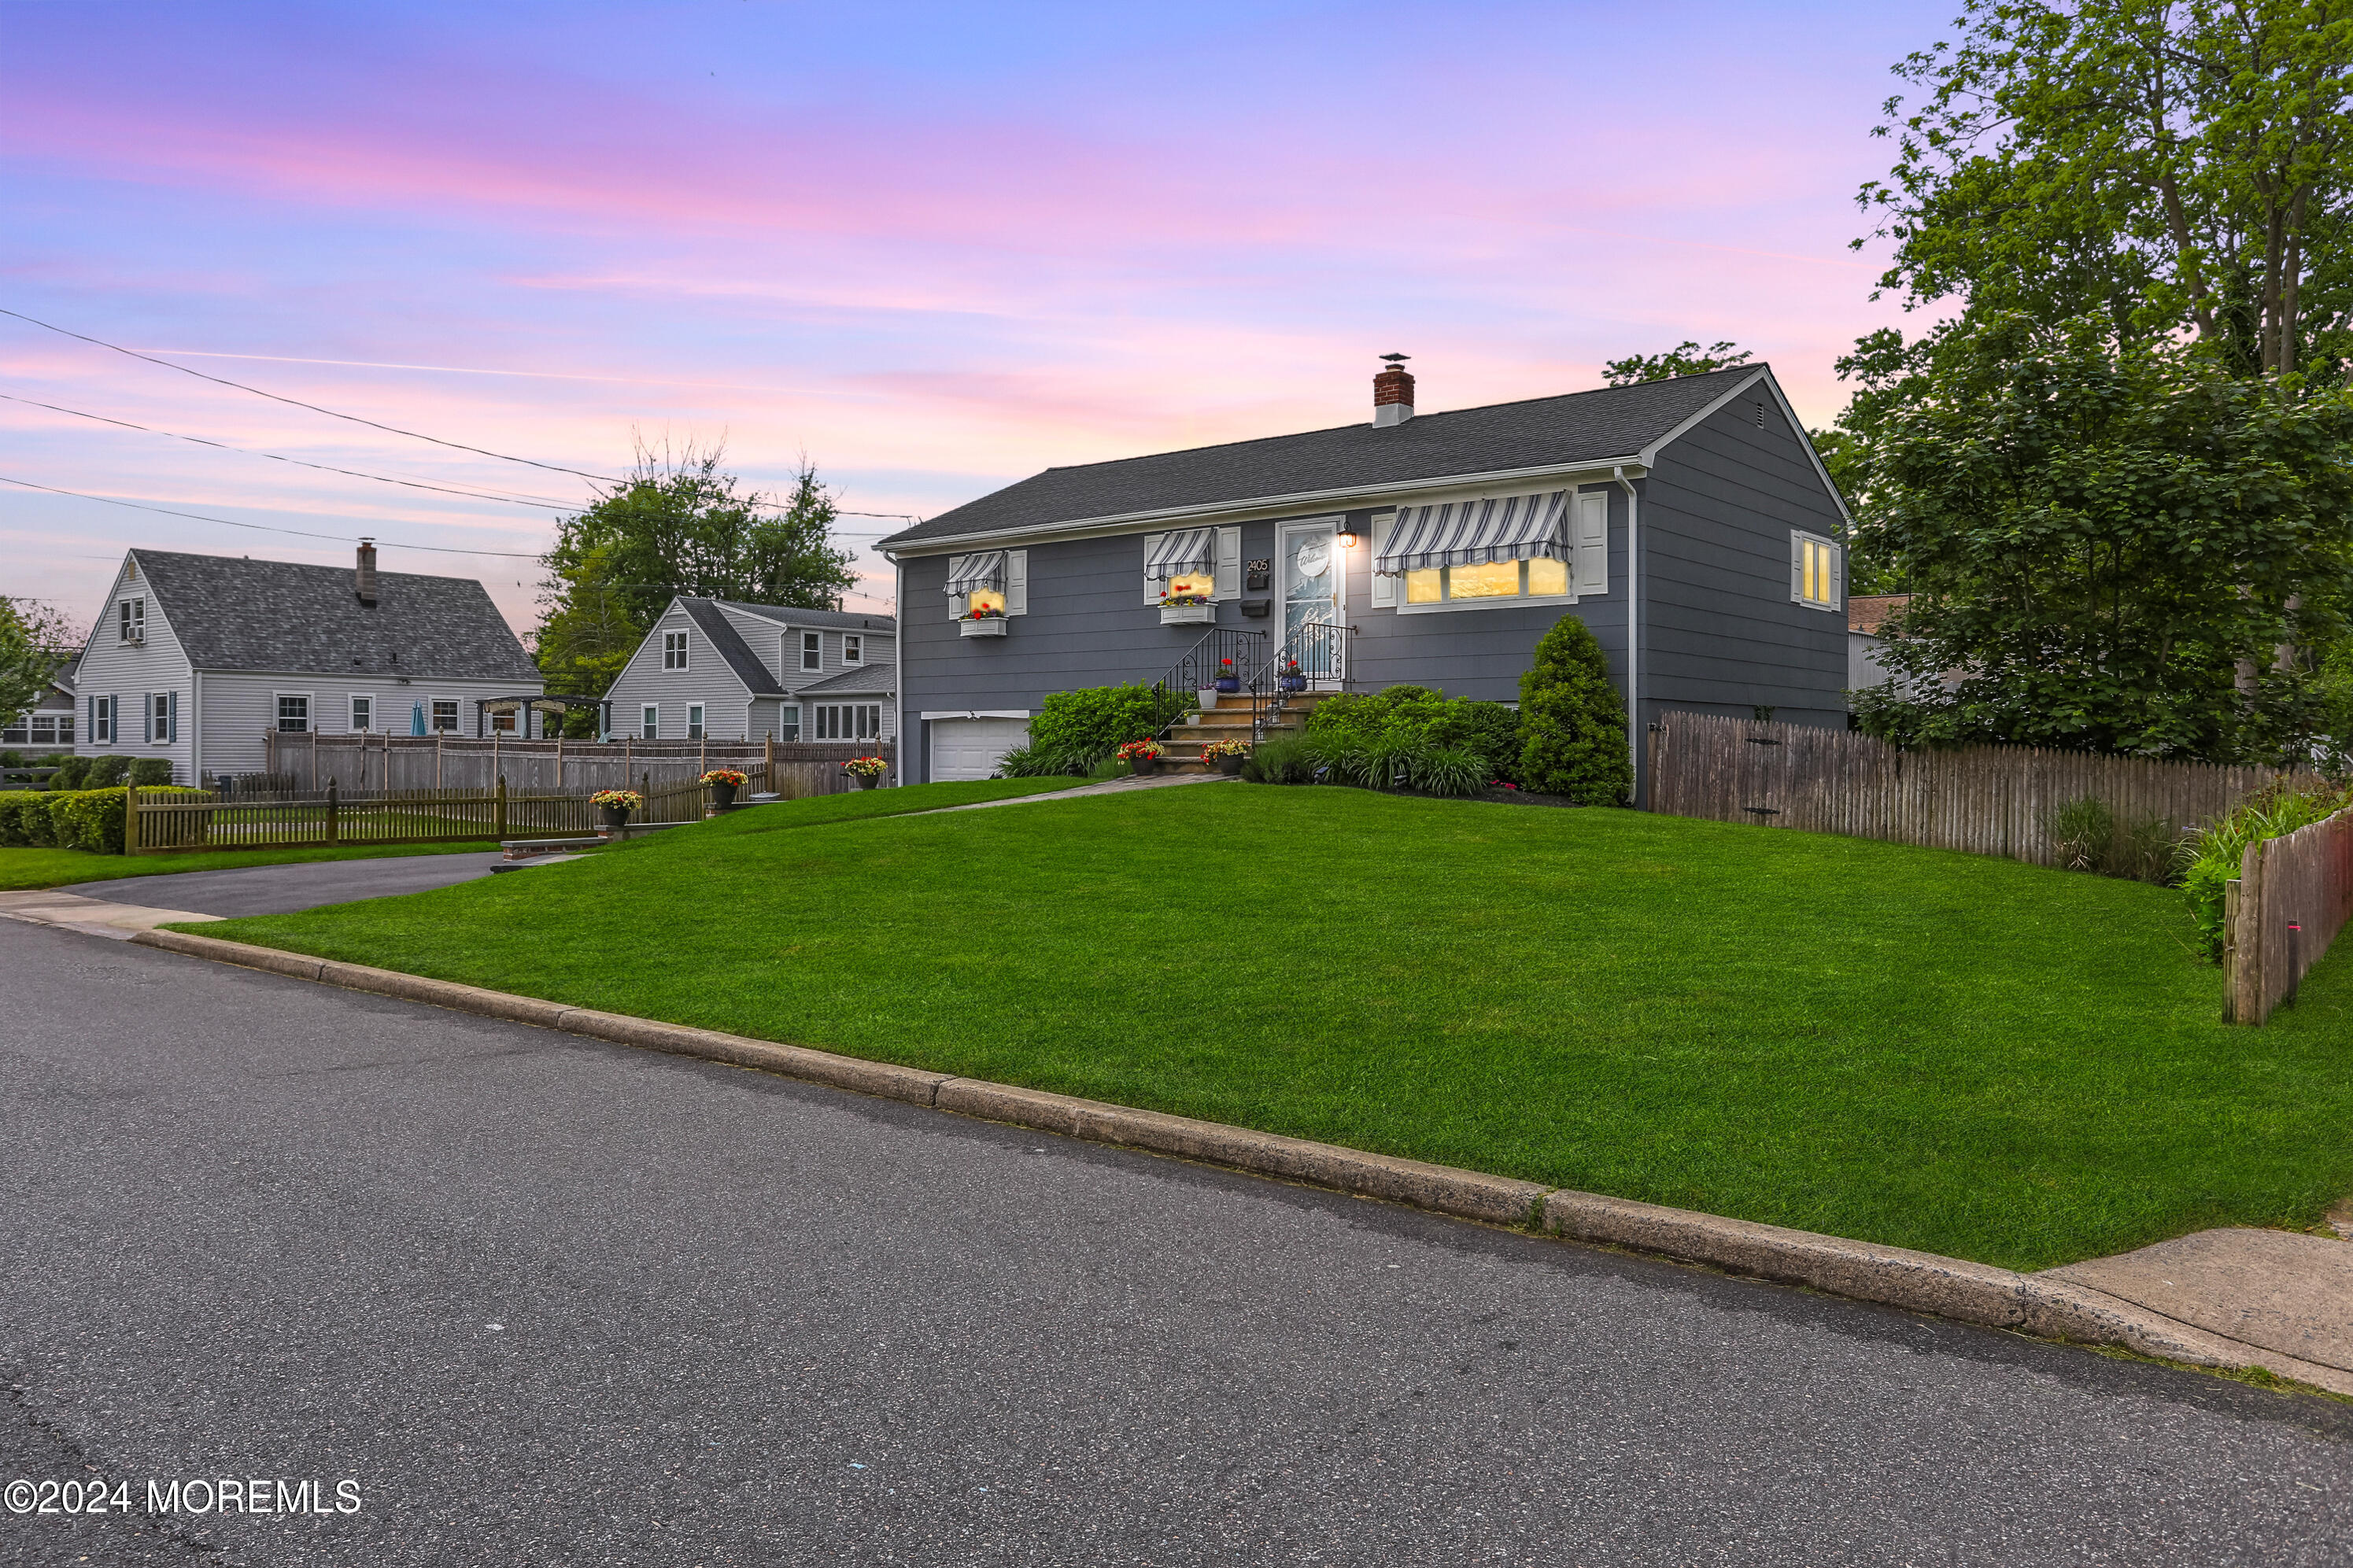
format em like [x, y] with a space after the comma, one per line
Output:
[1581, 426]
[241, 614]
[719, 632]
[829, 620]
[866, 681]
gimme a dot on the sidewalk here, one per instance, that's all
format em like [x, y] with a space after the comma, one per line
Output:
[1110, 786]
[45, 906]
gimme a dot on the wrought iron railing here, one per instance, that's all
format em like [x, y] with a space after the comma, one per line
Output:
[1228, 650]
[1315, 655]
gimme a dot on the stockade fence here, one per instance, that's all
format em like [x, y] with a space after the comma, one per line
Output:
[2293, 895]
[378, 763]
[1988, 800]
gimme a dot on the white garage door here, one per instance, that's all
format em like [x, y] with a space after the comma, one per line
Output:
[969, 748]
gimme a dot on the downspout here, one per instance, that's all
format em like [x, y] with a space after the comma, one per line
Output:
[1633, 614]
[898, 662]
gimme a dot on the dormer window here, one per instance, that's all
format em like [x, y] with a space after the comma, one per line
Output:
[130, 620]
[673, 651]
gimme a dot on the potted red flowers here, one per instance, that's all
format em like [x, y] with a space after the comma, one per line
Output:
[723, 782]
[1144, 756]
[1291, 680]
[866, 770]
[616, 804]
[1229, 678]
[1226, 756]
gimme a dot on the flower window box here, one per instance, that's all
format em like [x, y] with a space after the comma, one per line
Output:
[983, 626]
[1185, 612]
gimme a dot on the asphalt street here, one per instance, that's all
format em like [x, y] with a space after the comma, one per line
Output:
[547, 1301]
[279, 890]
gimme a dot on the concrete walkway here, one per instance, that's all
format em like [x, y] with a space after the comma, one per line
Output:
[2274, 1288]
[1110, 786]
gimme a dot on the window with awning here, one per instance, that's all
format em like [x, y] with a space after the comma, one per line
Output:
[1546, 544]
[1188, 553]
[983, 569]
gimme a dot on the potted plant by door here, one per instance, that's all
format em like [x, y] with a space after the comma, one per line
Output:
[723, 782]
[1291, 680]
[1144, 756]
[1226, 756]
[1229, 678]
[866, 770]
[616, 804]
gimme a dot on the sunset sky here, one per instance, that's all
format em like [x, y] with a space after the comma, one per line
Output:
[933, 248]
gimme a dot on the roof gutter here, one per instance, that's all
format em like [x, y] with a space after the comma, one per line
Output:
[1122, 522]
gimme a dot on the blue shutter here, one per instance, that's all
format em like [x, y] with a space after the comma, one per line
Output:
[172, 706]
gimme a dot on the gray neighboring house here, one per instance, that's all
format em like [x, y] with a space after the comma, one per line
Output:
[195, 658]
[721, 670]
[1689, 522]
[1867, 615]
[49, 724]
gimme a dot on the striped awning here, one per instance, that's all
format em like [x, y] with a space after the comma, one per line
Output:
[1464, 533]
[1181, 554]
[983, 569]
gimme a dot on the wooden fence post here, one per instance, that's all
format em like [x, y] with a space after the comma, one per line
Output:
[131, 819]
[2231, 898]
[335, 814]
[2247, 976]
[768, 762]
[502, 832]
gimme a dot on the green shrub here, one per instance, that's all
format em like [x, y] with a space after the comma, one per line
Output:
[148, 773]
[69, 773]
[1028, 762]
[1284, 760]
[1573, 721]
[1075, 730]
[2082, 832]
[2210, 856]
[2147, 849]
[16, 807]
[88, 819]
[1110, 768]
[1450, 771]
[12, 759]
[105, 773]
[1405, 721]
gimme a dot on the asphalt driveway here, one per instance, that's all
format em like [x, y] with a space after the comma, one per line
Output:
[547, 1301]
[281, 890]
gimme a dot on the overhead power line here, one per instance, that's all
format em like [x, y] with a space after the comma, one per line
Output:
[298, 402]
[539, 501]
[265, 528]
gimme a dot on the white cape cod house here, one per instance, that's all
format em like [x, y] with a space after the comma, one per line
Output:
[719, 669]
[195, 658]
[1689, 522]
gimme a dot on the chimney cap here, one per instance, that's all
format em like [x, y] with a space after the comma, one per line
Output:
[1397, 361]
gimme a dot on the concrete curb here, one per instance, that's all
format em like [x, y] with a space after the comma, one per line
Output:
[1893, 1275]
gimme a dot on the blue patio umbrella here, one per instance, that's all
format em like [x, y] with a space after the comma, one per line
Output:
[417, 720]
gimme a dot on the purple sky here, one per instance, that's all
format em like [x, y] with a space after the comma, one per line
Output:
[933, 248]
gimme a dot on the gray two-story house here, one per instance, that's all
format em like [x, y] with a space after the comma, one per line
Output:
[1689, 522]
[195, 659]
[717, 669]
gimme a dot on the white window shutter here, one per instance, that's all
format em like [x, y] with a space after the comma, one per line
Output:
[1229, 564]
[1151, 588]
[1016, 582]
[1592, 552]
[1837, 584]
[1385, 589]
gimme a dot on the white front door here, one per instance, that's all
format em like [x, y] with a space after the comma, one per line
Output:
[971, 748]
[1315, 599]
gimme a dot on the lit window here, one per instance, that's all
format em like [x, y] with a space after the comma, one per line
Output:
[694, 721]
[445, 714]
[1201, 583]
[1487, 580]
[293, 714]
[853, 650]
[363, 714]
[651, 729]
[1814, 570]
[987, 601]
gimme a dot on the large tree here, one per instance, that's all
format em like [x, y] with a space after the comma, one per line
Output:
[1686, 358]
[36, 640]
[2112, 550]
[2168, 166]
[678, 524]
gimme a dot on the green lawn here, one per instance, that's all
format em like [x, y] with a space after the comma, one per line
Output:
[1932, 1049]
[21, 869]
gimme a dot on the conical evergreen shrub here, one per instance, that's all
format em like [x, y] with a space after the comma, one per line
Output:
[1573, 721]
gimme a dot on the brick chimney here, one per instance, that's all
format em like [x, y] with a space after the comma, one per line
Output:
[1393, 391]
[363, 575]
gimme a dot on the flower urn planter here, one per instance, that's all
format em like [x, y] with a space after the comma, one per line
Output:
[1231, 765]
[617, 818]
[1293, 682]
[866, 781]
[1145, 766]
[723, 795]
[1230, 683]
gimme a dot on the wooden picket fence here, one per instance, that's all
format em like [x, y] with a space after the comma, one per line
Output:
[188, 820]
[2293, 896]
[1988, 800]
[377, 763]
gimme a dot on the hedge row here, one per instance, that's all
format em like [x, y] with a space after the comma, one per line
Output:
[88, 819]
[108, 771]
